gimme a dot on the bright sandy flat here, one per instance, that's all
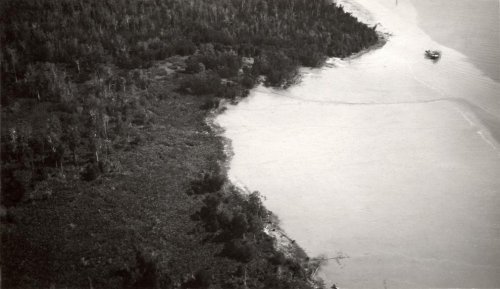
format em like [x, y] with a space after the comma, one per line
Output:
[385, 159]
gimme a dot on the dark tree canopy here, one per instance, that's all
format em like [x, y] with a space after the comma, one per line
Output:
[83, 85]
[133, 33]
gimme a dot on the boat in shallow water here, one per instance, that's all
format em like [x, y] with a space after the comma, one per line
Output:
[432, 54]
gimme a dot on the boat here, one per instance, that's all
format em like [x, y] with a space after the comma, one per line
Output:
[433, 54]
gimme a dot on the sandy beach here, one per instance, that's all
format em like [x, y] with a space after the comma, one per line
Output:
[388, 159]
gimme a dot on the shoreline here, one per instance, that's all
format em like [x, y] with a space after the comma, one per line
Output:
[283, 242]
[137, 193]
[431, 113]
[384, 37]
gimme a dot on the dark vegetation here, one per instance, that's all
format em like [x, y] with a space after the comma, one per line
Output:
[104, 146]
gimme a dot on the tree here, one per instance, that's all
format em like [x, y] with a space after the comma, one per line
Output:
[208, 213]
[238, 250]
[12, 189]
[73, 139]
[239, 225]
[241, 251]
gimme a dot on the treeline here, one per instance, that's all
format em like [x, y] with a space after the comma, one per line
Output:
[237, 221]
[132, 33]
[72, 71]
[234, 221]
[78, 89]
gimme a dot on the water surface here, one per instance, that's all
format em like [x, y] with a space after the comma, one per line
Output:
[469, 26]
[388, 159]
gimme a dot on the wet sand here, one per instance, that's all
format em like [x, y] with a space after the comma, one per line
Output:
[387, 159]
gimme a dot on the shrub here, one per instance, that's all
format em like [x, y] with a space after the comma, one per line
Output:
[247, 81]
[202, 279]
[228, 65]
[208, 214]
[184, 47]
[193, 65]
[208, 184]
[210, 104]
[239, 250]
[91, 172]
[12, 189]
[200, 84]
[239, 225]
[47, 82]
[277, 259]
[278, 68]
[145, 273]
[230, 92]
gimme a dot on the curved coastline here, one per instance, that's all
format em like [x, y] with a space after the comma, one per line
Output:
[382, 166]
[467, 107]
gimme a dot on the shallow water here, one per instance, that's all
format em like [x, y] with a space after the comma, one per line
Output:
[471, 27]
[389, 160]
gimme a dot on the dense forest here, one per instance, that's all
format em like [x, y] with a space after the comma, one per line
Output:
[104, 138]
